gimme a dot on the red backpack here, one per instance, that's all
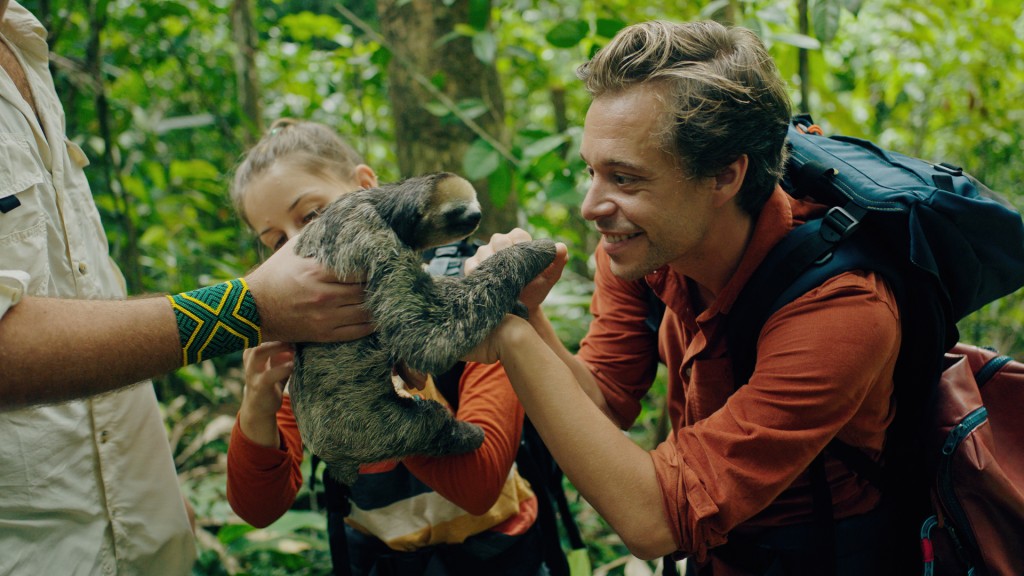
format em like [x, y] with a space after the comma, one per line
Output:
[978, 446]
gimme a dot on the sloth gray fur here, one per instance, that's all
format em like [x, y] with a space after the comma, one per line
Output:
[345, 405]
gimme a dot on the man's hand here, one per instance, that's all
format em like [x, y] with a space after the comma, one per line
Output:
[490, 349]
[537, 290]
[300, 301]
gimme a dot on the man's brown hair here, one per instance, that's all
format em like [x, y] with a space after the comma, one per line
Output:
[722, 87]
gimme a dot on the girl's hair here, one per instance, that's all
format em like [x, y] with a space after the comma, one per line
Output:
[313, 146]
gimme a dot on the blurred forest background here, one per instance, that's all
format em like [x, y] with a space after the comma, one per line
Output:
[165, 96]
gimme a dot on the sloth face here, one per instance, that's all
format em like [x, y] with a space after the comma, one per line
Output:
[447, 213]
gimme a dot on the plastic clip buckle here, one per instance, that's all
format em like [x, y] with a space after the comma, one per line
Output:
[838, 224]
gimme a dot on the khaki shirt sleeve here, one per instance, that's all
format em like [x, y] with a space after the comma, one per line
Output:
[13, 284]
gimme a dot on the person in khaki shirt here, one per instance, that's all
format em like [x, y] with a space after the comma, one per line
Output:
[87, 483]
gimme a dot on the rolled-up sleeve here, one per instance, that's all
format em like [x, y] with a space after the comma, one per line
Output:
[13, 284]
[620, 350]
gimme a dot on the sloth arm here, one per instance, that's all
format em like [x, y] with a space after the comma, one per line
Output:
[474, 481]
[262, 481]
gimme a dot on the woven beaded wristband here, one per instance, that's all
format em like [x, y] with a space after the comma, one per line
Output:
[216, 320]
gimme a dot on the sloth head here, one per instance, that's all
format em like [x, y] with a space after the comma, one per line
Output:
[432, 210]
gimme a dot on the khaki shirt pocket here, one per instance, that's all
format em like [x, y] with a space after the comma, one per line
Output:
[23, 230]
[20, 168]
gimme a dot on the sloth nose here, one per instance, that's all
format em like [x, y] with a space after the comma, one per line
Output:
[464, 217]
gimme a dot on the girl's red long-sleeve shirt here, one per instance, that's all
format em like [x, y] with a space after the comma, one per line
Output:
[263, 481]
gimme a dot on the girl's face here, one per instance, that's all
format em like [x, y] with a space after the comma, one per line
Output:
[282, 200]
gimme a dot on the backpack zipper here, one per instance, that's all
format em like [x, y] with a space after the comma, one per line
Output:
[990, 368]
[947, 495]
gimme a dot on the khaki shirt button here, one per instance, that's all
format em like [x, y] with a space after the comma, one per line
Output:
[104, 435]
[83, 268]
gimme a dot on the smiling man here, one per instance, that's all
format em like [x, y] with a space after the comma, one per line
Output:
[684, 141]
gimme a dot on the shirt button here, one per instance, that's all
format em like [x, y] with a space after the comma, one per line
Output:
[83, 268]
[687, 372]
[104, 435]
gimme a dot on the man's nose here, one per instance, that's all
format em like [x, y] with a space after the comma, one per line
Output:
[596, 204]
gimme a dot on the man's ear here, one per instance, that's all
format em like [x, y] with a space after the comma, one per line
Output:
[365, 176]
[730, 179]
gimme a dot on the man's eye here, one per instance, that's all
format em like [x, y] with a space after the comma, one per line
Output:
[623, 179]
[280, 242]
[312, 216]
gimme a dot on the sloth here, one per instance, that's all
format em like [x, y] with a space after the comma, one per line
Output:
[347, 409]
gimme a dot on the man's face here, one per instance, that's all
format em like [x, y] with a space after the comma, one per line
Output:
[647, 210]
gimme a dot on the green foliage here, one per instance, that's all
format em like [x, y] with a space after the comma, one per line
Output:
[159, 113]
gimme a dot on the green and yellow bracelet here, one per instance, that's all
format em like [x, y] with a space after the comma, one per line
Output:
[216, 320]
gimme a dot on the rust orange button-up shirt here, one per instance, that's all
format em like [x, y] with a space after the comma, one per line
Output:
[737, 457]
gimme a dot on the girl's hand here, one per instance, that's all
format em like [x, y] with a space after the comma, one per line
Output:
[267, 369]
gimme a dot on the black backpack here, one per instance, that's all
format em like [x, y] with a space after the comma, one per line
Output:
[533, 459]
[946, 244]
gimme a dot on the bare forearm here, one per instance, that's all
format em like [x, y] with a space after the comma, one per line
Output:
[595, 455]
[546, 331]
[260, 428]
[53, 350]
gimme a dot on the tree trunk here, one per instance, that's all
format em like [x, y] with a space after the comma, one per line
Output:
[124, 201]
[425, 142]
[803, 60]
[243, 32]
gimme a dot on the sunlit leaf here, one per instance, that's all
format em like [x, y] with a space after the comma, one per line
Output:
[480, 160]
[825, 17]
[543, 146]
[193, 169]
[798, 40]
[484, 47]
[853, 6]
[232, 532]
[303, 26]
[712, 8]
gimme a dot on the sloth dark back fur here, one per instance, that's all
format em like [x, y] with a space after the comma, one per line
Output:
[345, 405]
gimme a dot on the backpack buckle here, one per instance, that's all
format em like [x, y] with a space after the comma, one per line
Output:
[837, 224]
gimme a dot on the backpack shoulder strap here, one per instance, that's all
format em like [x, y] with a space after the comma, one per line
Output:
[804, 260]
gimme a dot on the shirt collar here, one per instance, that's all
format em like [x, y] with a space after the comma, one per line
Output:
[25, 30]
[780, 214]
